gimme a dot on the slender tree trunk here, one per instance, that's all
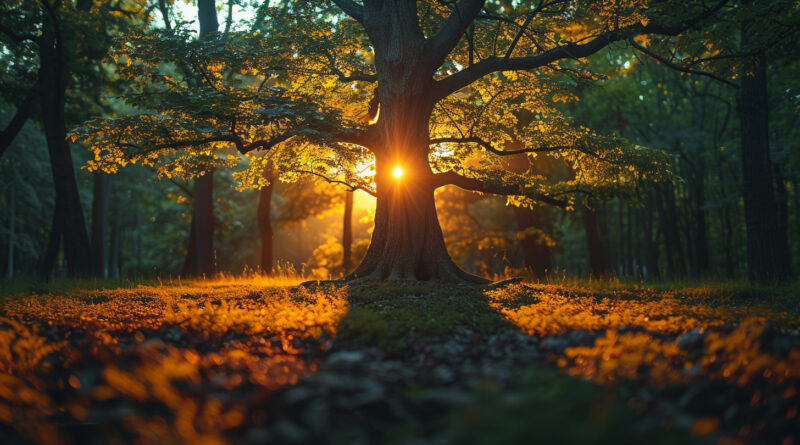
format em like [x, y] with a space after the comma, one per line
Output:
[12, 221]
[138, 224]
[114, 250]
[68, 220]
[200, 253]
[700, 225]
[599, 261]
[630, 261]
[99, 219]
[763, 261]
[784, 252]
[347, 233]
[265, 225]
[190, 260]
[534, 247]
[650, 259]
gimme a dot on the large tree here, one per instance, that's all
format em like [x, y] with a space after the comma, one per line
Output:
[429, 91]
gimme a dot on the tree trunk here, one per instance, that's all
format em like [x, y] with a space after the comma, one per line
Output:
[347, 233]
[534, 248]
[784, 252]
[190, 260]
[68, 220]
[200, 253]
[99, 217]
[265, 225]
[114, 247]
[12, 216]
[763, 262]
[599, 261]
[407, 241]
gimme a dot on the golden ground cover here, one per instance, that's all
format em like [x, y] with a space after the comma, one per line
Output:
[105, 350]
[746, 343]
[194, 361]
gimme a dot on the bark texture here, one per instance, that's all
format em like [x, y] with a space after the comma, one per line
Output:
[347, 233]
[764, 262]
[265, 226]
[68, 224]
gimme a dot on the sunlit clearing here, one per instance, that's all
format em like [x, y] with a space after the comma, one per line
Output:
[398, 172]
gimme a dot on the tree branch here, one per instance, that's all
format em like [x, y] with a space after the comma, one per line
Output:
[17, 122]
[572, 50]
[440, 45]
[351, 188]
[236, 140]
[353, 76]
[489, 147]
[18, 38]
[352, 9]
[678, 67]
[476, 185]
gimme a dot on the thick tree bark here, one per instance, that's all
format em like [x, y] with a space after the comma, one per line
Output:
[68, 221]
[200, 255]
[407, 241]
[265, 225]
[190, 260]
[764, 264]
[599, 261]
[535, 250]
[99, 218]
[347, 233]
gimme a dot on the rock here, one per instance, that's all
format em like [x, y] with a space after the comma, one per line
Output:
[298, 394]
[443, 374]
[290, 431]
[258, 435]
[344, 360]
[173, 335]
[691, 339]
[555, 343]
[449, 397]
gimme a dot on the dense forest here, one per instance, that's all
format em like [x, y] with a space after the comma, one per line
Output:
[723, 213]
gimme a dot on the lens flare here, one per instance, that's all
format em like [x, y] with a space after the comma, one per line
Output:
[398, 172]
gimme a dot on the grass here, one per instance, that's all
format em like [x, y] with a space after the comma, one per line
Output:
[77, 349]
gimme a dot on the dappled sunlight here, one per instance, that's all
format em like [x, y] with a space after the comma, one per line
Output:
[174, 363]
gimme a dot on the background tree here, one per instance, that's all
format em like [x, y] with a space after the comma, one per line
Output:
[48, 56]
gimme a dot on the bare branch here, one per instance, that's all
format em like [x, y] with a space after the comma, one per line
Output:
[678, 67]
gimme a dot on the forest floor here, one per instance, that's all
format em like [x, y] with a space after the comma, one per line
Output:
[255, 361]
